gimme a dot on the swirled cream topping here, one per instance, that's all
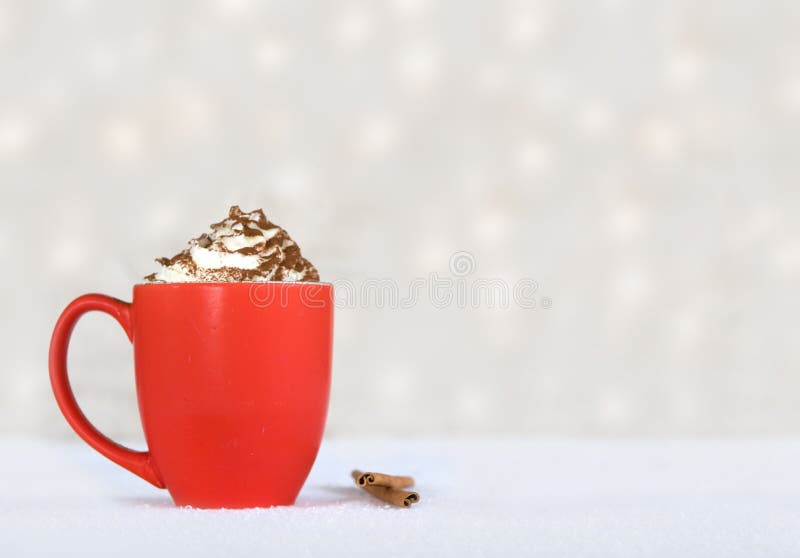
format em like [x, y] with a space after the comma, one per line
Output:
[242, 247]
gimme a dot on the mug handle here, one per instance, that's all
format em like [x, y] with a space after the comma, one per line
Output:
[137, 462]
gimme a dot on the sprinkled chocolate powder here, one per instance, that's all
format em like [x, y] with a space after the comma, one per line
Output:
[243, 247]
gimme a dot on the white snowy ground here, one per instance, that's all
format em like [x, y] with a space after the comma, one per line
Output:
[480, 497]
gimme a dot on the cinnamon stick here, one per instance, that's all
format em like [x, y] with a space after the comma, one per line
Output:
[381, 479]
[388, 494]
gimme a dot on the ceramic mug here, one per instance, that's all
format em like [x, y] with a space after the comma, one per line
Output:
[232, 381]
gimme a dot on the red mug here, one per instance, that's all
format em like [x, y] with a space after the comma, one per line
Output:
[232, 381]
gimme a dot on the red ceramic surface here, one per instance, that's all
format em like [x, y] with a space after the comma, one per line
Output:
[232, 382]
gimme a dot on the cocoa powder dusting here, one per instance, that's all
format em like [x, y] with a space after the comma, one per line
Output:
[243, 247]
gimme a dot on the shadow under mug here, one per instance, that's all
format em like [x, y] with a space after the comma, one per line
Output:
[232, 381]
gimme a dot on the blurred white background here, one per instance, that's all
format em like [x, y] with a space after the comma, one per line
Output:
[637, 159]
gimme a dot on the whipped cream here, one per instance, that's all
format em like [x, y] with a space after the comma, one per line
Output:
[243, 247]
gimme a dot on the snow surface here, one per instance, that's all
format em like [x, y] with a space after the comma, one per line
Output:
[480, 497]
